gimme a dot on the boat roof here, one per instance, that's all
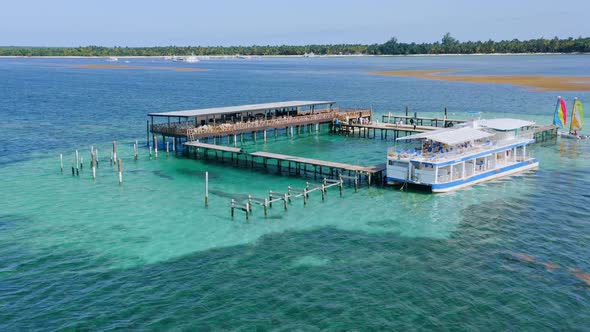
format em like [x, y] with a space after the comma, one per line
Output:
[451, 137]
[504, 123]
[243, 108]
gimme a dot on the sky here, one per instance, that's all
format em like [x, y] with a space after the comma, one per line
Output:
[266, 22]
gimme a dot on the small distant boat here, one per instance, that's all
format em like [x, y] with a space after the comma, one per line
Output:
[191, 59]
[309, 55]
[576, 122]
[188, 59]
[112, 59]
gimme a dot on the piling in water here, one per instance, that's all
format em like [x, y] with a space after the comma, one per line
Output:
[61, 162]
[93, 165]
[120, 163]
[114, 151]
[207, 189]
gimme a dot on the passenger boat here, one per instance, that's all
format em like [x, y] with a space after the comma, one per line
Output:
[454, 158]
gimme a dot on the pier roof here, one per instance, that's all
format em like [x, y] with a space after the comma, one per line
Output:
[505, 123]
[242, 108]
[451, 137]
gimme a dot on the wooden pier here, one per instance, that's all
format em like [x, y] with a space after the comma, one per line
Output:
[292, 165]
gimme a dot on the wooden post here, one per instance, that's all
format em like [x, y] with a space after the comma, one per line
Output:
[341, 183]
[247, 211]
[114, 151]
[93, 165]
[120, 163]
[304, 196]
[77, 163]
[265, 136]
[270, 198]
[356, 182]
[150, 152]
[323, 192]
[96, 156]
[61, 162]
[206, 189]
[148, 132]
[265, 207]
[156, 146]
[232, 208]
[167, 149]
[112, 158]
[135, 151]
[174, 144]
[285, 201]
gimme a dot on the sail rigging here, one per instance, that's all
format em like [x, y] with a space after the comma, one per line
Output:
[577, 119]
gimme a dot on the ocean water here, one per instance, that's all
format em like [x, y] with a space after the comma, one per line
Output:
[76, 254]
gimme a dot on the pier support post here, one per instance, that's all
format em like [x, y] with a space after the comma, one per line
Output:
[264, 136]
[156, 146]
[120, 164]
[232, 207]
[93, 165]
[206, 189]
[61, 162]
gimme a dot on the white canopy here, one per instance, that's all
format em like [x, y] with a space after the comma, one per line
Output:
[451, 137]
[244, 108]
[504, 123]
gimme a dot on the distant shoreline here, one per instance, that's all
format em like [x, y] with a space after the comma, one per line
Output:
[284, 56]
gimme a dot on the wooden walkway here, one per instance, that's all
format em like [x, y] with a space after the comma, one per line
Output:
[320, 163]
[222, 148]
[290, 164]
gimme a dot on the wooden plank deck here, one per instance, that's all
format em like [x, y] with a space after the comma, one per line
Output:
[317, 162]
[213, 147]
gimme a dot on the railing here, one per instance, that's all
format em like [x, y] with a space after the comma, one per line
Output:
[188, 128]
[226, 128]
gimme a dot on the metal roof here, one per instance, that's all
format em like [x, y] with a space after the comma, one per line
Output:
[451, 137]
[504, 123]
[242, 108]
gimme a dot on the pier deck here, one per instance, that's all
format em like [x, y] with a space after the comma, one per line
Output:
[322, 163]
[222, 148]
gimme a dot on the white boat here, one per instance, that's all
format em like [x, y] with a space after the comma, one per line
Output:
[461, 156]
[188, 59]
[112, 59]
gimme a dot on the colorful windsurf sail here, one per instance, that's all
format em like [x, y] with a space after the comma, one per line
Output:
[560, 117]
[577, 119]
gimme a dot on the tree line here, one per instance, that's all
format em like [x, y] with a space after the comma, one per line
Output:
[447, 45]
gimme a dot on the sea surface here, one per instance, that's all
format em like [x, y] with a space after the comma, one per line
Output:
[75, 254]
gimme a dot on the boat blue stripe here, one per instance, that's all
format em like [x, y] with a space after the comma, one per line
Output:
[483, 175]
[471, 179]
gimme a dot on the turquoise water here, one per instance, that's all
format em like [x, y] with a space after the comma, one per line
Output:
[82, 255]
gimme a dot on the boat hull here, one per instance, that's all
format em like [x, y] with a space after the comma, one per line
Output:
[572, 136]
[479, 178]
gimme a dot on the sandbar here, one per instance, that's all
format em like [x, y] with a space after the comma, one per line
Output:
[536, 82]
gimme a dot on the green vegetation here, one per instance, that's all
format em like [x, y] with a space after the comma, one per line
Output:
[448, 45]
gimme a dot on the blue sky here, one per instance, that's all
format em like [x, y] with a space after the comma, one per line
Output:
[224, 22]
